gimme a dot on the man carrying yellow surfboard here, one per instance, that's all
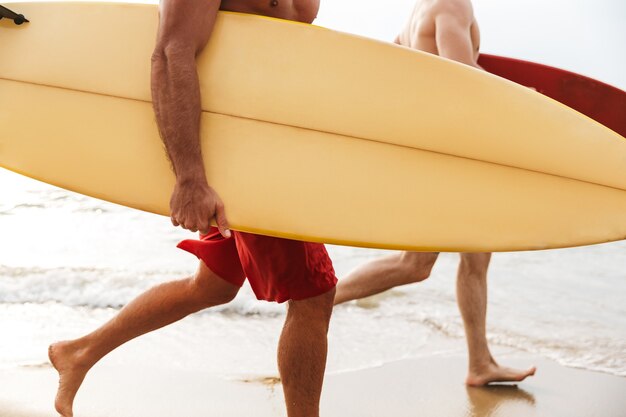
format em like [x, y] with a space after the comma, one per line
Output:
[277, 269]
[449, 29]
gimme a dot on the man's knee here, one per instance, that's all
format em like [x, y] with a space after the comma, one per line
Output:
[418, 265]
[314, 309]
[210, 289]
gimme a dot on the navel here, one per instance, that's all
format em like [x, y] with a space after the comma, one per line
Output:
[273, 3]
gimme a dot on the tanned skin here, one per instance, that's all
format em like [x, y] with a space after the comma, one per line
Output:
[183, 33]
[185, 28]
[449, 29]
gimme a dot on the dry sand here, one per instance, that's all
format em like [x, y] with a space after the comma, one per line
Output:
[413, 387]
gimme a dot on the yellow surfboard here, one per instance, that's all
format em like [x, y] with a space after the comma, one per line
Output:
[309, 133]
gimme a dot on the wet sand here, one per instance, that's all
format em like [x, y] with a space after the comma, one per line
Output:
[413, 387]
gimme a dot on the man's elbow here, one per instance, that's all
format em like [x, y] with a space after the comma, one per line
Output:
[159, 55]
[159, 68]
[165, 52]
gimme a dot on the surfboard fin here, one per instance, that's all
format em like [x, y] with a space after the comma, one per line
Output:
[18, 19]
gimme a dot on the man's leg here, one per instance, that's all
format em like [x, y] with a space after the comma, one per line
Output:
[385, 273]
[471, 287]
[157, 307]
[302, 353]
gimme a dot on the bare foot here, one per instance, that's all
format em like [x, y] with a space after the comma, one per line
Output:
[67, 359]
[496, 373]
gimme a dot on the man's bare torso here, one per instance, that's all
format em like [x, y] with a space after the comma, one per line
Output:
[420, 33]
[298, 10]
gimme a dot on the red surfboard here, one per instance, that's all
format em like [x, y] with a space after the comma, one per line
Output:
[602, 102]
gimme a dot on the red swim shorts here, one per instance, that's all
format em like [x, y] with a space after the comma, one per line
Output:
[277, 269]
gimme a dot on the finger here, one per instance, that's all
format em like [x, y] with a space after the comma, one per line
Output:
[186, 224]
[174, 221]
[220, 218]
[191, 226]
[203, 226]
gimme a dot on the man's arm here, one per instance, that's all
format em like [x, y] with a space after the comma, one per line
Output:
[453, 24]
[185, 27]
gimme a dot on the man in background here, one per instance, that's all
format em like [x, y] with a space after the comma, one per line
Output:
[449, 29]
